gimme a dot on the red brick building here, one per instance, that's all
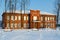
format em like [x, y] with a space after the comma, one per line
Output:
[33, 19]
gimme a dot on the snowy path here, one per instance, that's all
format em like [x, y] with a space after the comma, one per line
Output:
[44, 34]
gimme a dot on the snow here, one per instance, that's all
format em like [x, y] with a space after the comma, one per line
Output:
[46, 13]
[17, 11]
[27, 12]
[30, 34]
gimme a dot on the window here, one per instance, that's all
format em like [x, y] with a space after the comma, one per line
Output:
[24, 17]
[15, 25]
[46, 25]
[48, 18]
[12, 17]
[19, 25]
[27, 18]
[15, 17]
[49, 24]
[53, 18]
[53, 24]
[34, 18]
[24, 25]
[41, 18]
[12, 25]
[45, 18]
[41, 25]
[8, 18]
[19, 17]
[8, 25]
[28, 25]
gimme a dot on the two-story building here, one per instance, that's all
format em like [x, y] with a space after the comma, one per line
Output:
[28, 20]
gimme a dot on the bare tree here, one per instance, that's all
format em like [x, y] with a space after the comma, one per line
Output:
[10, 5]
[57, 6]
[24, 6]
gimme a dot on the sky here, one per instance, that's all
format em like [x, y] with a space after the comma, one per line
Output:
[42, 5]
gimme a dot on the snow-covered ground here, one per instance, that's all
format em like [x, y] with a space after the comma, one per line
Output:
[30, 34]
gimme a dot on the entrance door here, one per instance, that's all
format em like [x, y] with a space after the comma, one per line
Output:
[35, 24]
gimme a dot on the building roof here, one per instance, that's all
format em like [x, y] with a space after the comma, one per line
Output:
[27, 12]
[46, 13]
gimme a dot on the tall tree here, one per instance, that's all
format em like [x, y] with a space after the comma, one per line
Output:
[57, 6]
[24, 6]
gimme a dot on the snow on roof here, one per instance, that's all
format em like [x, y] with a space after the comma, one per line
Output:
[46, 13]
[27, 12]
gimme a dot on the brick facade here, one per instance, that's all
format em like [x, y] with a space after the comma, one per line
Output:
[26, 21]
[32, 14]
